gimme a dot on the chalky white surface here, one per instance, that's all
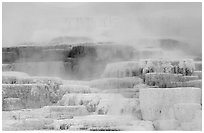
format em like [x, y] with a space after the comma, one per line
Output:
[185, 112]
[157, 103]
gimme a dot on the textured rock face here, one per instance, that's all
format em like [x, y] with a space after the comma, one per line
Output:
[31, 95]
[162, 80]
[90, 101]
[159, 66]
[12, 104]
[52, 83]
[14, 77]
[157, 103]
[168, 80]
[123, 69]
[139, 68]
[184, 67]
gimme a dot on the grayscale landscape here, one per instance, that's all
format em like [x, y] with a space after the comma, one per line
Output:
[102, 66]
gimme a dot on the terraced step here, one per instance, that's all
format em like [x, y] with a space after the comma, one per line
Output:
[27, 124]
[157, 103]
[54, 111]
[126, 92]
[90, 100]
[30, 95]
[162, 79]
[103, 122]
[63, 89]
[88, 122]
[112, 83]
[190, 78]
[123, 69]
[104, 103]
[15, 77]
[168, 80]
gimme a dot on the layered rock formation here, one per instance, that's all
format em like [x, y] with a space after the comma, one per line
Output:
[149, 94]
